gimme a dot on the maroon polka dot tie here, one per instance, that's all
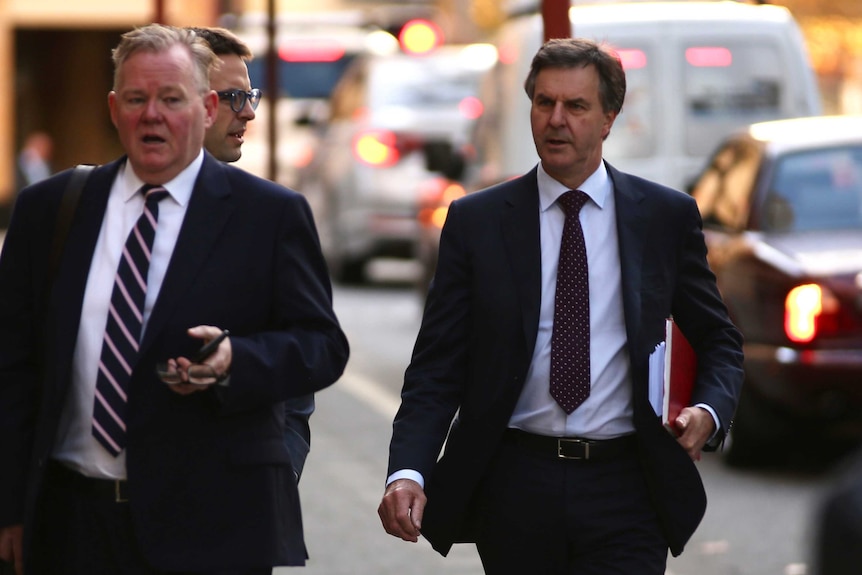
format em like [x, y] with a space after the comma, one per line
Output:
[570, 339]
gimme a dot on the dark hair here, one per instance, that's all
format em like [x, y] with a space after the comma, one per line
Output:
[223, 42]
[580, 53]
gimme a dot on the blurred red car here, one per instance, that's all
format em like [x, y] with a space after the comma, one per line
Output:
[782, 208]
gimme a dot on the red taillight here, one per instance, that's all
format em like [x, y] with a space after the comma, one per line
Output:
[310, 50]
[383, 149]
[420, 36]
[434, 199]
[801, 308]
[709, 56]
[377, 148]
[471, 107]
[810, 311]
[632, 59]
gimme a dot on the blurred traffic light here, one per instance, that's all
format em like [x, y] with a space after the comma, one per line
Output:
[420, 36]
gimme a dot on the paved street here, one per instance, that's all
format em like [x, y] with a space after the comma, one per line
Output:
[345, 473]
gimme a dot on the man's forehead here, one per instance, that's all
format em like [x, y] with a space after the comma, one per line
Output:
[231, 70]
[567, 82]
[171, 61]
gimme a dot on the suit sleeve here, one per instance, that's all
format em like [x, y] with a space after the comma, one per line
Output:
[307, 350]
[19, 359]
[702, 315]
[435, 380]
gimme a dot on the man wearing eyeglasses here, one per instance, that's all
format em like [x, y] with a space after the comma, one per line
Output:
[237, 100]
[224, 139]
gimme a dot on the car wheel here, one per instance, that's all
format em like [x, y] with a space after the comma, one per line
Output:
[758, 434]
[350, 271]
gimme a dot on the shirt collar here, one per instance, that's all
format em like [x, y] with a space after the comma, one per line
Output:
[597, 187]
[180, 188]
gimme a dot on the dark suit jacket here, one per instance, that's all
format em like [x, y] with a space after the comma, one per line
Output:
[210, 479]
[479, 330]
[297, 434]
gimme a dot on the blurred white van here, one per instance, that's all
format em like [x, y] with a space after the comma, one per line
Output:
[314, 50]
[695, 72]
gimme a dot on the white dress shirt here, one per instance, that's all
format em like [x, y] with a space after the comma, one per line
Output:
[75, 445]
[607, 412]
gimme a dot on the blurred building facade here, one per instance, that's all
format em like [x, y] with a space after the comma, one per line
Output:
[833, 32]
[56, 55]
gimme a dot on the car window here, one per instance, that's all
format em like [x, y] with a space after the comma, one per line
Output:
[424, 83]
[816, 190]
[301, 79]
[634, 130]
[348, 98]
[724, 190]
[727, 85]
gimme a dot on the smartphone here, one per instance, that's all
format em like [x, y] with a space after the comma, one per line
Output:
[209, 348]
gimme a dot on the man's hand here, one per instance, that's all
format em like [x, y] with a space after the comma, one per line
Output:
[219, 361]
[401, 509]
[695, 426]
[11, 546]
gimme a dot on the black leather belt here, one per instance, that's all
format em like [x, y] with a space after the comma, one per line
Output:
[115, 490]
[572, 447]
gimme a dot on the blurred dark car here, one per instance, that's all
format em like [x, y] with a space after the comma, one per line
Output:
[782, 209]
[395, 118]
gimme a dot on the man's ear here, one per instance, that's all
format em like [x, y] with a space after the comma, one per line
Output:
[211, 106]
[112, 106]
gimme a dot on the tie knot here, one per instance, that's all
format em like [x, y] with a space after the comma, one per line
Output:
[572, 201]
[153, 194]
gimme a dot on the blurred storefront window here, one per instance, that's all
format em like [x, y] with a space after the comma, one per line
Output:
[833, 33]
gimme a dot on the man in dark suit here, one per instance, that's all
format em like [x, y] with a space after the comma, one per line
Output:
[555, 461]
[109, 465]
[224, 139]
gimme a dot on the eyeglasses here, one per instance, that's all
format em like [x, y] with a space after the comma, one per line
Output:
[238, 98]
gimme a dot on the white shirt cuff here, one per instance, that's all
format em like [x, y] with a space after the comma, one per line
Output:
[714, 418]
[407, 474]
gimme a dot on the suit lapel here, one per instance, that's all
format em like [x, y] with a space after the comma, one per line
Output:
[67, 295]
[631, 226]
[520, 223]
[208, 212]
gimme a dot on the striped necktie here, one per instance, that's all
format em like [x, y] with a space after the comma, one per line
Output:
[123, 329]
[570, 335]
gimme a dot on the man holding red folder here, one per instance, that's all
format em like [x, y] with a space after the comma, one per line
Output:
[531, 364]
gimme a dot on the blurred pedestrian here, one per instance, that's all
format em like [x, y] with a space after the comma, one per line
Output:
[531, 363]
[32, 165]
[34, 159]
[126, 448]
[224, 139]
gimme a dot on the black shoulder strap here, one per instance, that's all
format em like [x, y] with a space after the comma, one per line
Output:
[68, 205]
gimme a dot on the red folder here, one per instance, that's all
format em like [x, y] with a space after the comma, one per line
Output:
[680, 371]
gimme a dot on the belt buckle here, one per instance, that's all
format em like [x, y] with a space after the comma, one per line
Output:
[120, 491]
[562, 441]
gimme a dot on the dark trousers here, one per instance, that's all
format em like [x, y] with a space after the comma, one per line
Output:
[547, 516]
[80, 532]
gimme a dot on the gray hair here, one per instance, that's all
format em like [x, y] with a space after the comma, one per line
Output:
[160, 38]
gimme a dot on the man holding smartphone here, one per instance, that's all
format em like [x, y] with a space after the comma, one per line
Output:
[106, 468]
[224, 140]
